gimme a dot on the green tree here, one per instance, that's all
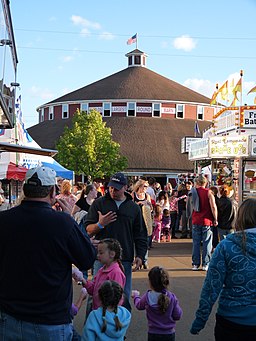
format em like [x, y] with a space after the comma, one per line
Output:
[87, 147]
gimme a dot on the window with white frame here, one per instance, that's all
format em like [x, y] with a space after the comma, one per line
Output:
[156, 110]
[84, 107]
[131, 109]
[42, 115]
[51, 114]
[106, 109]
[200, 112]
[180, 111]
[64, 110]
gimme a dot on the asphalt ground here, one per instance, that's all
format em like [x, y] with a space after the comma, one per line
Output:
[185, 283]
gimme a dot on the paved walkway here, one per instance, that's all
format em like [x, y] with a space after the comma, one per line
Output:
[185, 283]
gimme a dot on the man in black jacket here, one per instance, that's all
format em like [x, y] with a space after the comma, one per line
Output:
[115, 215]
[38, 246]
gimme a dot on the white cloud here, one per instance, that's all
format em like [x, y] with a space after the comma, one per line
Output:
[37, 92]
[106, 36]
[203, 86]
[185, 43]
[84, 23]
[88, 26]
[207, 87]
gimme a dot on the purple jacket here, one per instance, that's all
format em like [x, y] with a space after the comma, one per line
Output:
[159, 323]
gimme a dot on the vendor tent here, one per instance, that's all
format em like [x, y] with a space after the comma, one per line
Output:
[12, 172]
[60, 170]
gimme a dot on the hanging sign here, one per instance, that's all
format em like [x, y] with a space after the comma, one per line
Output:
[199, 150]
[228, 146]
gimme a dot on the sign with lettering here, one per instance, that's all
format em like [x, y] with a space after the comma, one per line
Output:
[99, 109]
[166, 110]
[119, 109]
[199, 149]
[228, 146]
[185, 143]
[249, 118]
[144, 109]
[226, 121]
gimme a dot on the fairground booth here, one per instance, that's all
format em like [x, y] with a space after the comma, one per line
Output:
[227, 151]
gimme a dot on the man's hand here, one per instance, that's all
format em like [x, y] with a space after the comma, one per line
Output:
[94, 242]
[138, 263]
[108, 218]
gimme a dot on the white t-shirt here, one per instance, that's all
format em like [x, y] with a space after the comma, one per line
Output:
[151, 192]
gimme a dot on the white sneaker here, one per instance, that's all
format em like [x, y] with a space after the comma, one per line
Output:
[195, 268]
[205, 267]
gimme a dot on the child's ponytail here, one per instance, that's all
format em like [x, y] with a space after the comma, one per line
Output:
[159, 280]
[163, 302]
[104, 324]
[117, 322]
[110, 294]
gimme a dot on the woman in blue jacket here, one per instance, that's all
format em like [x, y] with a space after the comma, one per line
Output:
[232, 277]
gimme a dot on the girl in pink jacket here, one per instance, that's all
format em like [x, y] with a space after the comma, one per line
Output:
[109, 254]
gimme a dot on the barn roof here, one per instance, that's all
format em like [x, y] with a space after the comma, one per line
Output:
[150, 144]
[133, 83]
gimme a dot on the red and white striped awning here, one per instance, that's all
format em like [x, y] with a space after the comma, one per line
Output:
[10, 171]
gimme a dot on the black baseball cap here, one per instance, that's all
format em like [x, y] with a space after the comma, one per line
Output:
[117, 181]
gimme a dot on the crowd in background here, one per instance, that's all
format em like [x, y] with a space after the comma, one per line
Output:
[123, 221]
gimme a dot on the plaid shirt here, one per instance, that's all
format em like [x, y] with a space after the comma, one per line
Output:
[174, 203]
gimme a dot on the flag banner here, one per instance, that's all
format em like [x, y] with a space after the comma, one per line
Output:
[132, 40]
[223, 91]
[252, 90]
[196, 129]
[237, 88]
[214, 98]
[233, 104]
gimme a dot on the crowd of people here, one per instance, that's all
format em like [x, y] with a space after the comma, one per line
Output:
[57, 233]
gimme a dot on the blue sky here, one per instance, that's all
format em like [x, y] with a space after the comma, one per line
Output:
[64, 45]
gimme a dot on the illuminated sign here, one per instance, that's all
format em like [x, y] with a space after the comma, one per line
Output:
[228, 146]
[199, 149]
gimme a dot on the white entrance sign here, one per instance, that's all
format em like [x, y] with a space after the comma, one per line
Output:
[199, 149]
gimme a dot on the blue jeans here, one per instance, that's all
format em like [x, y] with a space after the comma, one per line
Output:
[201, 234]
[128, 283]
[12, 329]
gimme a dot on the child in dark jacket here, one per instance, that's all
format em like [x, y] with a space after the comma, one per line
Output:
[162, 306]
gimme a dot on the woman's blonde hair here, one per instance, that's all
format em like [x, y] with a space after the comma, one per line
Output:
[138, 184]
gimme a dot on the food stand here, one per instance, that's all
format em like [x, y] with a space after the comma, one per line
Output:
[231, 151]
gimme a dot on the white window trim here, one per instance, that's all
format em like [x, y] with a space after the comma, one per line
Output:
[42, 115]
[135, 109]
[62, 108]
[87, 107]
[51, 113]
[198, 112]
[110, 108]
[160, 109]
[176, 115]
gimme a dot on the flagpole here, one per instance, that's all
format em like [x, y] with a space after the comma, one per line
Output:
[137, 40]
[241, 96]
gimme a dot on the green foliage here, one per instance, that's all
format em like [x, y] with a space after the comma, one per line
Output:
[87, 147]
